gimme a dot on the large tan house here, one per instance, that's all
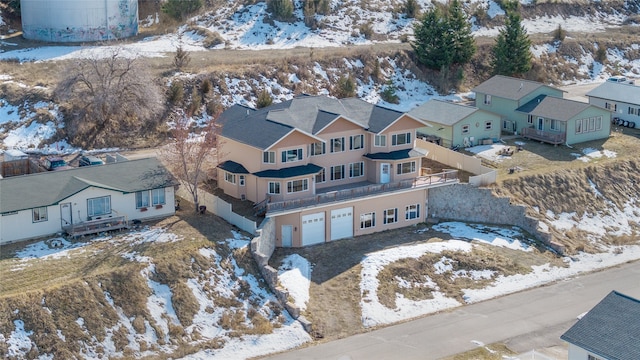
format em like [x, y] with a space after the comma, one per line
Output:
[326, 169]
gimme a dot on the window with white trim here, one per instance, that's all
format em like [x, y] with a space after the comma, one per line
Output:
[317, 148]
[390, 216]
[99, 206]
[593, 357]
[241, 180]
[400, 139]
[229, 177]
[337, 172]
[487, 99]
[356, 142]
[297, 185]
[337, 144]
[142, 199]
[158, 196]
[530, 119]
[488, 125]
[556, 125]
[579, 126]
[610, 106]
[356, 169]
[321, 176]
[412, 212]
[273, 188]
[406, 167]
[291, 155]
[380, 140]
[465, 129]
[39, 214]
[367, 220]
[588, 125]
[269, 157]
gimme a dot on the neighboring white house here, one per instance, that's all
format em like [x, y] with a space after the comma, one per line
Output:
[609, 331]
[84, 200]
[622, 99]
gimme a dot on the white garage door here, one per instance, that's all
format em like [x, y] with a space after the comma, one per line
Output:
[313, 229]
[341, 223]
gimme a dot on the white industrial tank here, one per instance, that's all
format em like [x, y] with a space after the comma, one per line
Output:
[79, 20]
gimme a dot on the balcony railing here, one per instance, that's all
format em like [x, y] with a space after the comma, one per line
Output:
[449, 176]
[96, 226]
[554, 138]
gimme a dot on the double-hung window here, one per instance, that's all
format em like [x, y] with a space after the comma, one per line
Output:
[321, 176]
[412, 212]
[337, 172]
[356, 169]
[337, 144]
[142, 199]
[291, 155]
[274, 187]
[157, 197]
[269, 157]
[99, 206]
[317, 148]
[367, 220]
[400, 139]
[356, 142]
[465, 129]
[297, 185]
[406, 168]
[380, 140]
[487, 99]
[390, 216]
[39, 214]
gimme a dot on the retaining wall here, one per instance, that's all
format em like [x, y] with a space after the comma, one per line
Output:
[464, 202]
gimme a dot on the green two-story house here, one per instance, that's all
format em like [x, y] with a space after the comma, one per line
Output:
[538, 111]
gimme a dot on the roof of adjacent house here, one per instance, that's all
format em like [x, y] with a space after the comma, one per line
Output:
[293, 171]
[553, 107]
[51, 187]
[442, 112]
[610, 330]
[508, 87]
[627, 93]
[261, 128]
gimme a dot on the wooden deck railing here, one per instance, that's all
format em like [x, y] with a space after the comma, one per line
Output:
[96, 226]
[545, 136]
[362, 191]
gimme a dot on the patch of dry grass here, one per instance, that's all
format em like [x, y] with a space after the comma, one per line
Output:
[487, 352]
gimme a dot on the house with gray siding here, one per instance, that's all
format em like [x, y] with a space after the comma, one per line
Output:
[456, 124]
[622, 99]
[609, 331]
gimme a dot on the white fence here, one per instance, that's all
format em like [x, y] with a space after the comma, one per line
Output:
[220, 208]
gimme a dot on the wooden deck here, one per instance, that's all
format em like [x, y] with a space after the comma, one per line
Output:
[97, 226]
[544, 136]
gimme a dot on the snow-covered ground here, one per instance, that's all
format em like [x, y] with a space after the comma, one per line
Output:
[466, 236]
[217, 281]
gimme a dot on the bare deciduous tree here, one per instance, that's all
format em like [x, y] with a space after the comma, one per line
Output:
[105, 98]
[188, 153]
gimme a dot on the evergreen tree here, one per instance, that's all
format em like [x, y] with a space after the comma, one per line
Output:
[264, 99]
[432, 40]
[411, 8]
[512, 51]
[309, 12]
[281, 9]
[464, 45]
[443, 39]
[178, 9]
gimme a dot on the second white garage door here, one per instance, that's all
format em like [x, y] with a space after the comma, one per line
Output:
[313, 229]
[341, 223]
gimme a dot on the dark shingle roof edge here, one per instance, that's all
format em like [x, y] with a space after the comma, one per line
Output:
[289, 172]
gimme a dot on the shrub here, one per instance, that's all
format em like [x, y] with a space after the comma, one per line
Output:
[559, 33]
[178, 9]
[411, 8]
[176, 93]
[366, 30]
[264, 99]
[346, 87]
[389, 94]
[281, 9]
[601, 54]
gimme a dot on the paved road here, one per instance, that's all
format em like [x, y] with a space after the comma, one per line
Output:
[530, 319]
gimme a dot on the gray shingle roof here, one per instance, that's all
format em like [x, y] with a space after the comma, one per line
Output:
[553, 108]
[262, 128]
[50, 188]
[627, 93]
[442, 112]
[508, 87]
[610, 330]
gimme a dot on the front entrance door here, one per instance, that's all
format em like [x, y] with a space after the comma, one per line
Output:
[287, 235]
[65, 214]
[385, 173]
[540, 123]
